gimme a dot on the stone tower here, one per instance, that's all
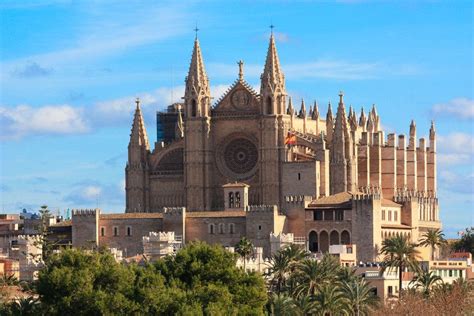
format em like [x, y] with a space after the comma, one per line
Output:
[136, 171]
[198, 155]
[273, 105]
[342, 165]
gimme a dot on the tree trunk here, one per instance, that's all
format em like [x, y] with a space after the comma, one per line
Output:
[400, 273]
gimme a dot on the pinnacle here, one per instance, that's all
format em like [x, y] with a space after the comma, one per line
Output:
[272, 71]
[197, 73]
[139, 135]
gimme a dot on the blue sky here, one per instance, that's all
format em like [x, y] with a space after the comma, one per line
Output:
[70, 70]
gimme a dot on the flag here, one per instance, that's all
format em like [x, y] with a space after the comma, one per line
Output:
[290, 139]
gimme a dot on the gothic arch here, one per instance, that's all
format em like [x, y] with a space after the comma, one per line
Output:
[345, 237]
[324, 241]
[334, 238]
[172, 162]
[193, 108]
[268, 105]
[313, 241]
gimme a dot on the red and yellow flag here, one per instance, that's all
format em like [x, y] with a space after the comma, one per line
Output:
[290, 139]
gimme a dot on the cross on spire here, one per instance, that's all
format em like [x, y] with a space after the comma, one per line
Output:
[271, 28]
[196, 30]
[137, 102]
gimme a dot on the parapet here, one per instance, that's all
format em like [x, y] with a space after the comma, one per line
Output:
[174, 211]
[281, 238]
[262, 208]
[159, 237]
[368, 193]
[298, 199]
[404, 195]
[85, 212]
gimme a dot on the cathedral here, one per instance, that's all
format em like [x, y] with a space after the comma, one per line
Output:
[264, 166]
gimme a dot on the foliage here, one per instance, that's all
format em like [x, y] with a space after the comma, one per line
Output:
[200, 279]
[433, 238]
[244, 248]
[399, 253]
[425, 281]
[466, 243]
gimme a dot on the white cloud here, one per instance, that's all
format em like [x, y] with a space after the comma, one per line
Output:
[91, 192]
[51, 119]
[462, 108]
[455, 149]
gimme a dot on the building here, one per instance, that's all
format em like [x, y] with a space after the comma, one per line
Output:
[251, 164]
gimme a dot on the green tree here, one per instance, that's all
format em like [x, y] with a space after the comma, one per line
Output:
[426, 281]
[282, 305]
[433, 238]
[209, 276]
[80, 283]
[28, 306]
[278, 271]
[244, 248]
[399, 253]
[330, 300]
[360, 298]
[466, 243]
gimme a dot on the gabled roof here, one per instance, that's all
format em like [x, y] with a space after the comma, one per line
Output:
[331, 200]
[238, 84]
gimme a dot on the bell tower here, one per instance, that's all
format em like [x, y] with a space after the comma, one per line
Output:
[197, 152]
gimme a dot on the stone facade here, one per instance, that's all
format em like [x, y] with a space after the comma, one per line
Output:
[250, 164]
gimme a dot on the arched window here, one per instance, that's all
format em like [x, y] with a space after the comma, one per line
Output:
[221, 228]
[324, 241]
[211, 229]
[237, 199]
[129, 231]
[334, 238]
[345, 237]
[231, 199]
[231, 228]
[269, 105]
[313, 241]
[193, 108]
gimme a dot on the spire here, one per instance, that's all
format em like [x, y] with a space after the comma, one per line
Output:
[310, 112]
[315, 115]
[371, 123]
[376, 119]
[302, 113]
[197, 77]
[412, 129]
[341, 119]
[362, 119]
[329, 116]
[352, 119]
[432, 130]
[138, 135]
[291, 110]
[272, 73]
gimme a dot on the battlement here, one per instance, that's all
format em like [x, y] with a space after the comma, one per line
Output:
[262, 208]
[298, 199]
[85, 212]
[159, 237]
[174, 211]
[282, 238]
[368, 193]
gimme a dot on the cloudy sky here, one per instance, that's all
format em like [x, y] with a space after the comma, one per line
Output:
[70, 70]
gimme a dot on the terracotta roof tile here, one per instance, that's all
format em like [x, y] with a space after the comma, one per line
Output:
[334, 199]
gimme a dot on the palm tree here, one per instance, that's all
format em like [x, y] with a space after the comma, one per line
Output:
[282, 305]
[330, 301]
[305, 305]
[25, 306]
[359, 296]
[244, 248]
[312, 274]
[433, 238]
[399, 253]
[426, 281]
[279, 270]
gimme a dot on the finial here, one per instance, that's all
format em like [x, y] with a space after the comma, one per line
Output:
[137, 101]
[271, 28]
[341, 95]
[196, 31]
[241, 69]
